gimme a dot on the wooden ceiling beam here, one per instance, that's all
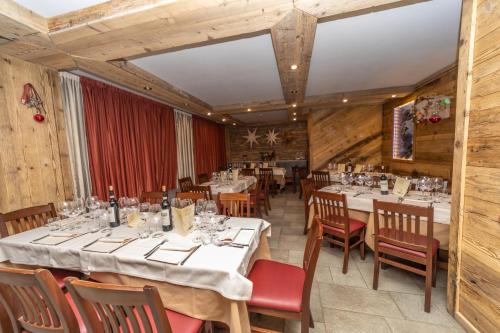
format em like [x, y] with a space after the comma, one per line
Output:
[293, 40]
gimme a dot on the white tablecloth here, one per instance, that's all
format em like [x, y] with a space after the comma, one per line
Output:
[277, 171]
[230, 186]
[364, 202]
[222, 269]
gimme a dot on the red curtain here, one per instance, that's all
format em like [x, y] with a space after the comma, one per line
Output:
[209, 142]
[131, 141]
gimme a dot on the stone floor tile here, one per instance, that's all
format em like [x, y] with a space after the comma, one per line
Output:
[338, 321]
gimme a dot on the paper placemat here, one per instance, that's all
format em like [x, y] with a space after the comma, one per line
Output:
[107, 245]
[171, 257]
[55, 238]
[244, 237]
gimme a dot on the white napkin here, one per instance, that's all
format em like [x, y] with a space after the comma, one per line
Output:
[63, 234]
[169, 257]
[55, 238]
[244, 237]
[107, 244]
[114, 239]
[230, 235]
[178, 246]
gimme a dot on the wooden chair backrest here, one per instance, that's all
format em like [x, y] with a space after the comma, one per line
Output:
[112, 308]
[194, 196]
[402, 225]
[234, 204]
[307, 185]
[300, 172]
[203, 178]
[331, 209]
[34, 302]
[206, 190]
[311, 254]
[248, 172]
[185, 184]
[321, 178]
[25, 219]
[152, 197]
[266, 172]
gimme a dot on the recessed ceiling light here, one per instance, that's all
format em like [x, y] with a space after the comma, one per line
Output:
[223, 119]
[294, 105]
[294, 67]
[209, 113]
[394, 96]
[248, 110]
[345, 100]
[234, 124]
[295, 113]
[294, 119]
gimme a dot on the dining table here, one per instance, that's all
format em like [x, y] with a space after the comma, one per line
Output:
[360, 206]
[243, 183]
[210, 283]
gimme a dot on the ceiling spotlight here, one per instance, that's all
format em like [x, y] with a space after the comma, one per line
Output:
[294, 67]
[209, 113]
[234, 124]
[295, 113]
[148, 88]
[345, 100]
[248, 110]
[294, 105]
[394, 96]
[223, 119]
[294, 119]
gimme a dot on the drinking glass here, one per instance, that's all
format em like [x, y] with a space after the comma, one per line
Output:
[156, 226]
[211, 208]
[54, 223]
[369, 182]
[344, 180]
[424, 185]
[142, 228]
[144, 207]
[437, 185]
[133, 203]
[360, 180]
[200, 206]
[155, 208]
[64, 208]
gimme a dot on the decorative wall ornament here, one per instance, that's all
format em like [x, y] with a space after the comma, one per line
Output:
[252, 137]
[31, 99]
[432, 108]
[272, 137]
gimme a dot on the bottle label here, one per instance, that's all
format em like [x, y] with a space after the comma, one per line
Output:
[384, 186]
[165, 217]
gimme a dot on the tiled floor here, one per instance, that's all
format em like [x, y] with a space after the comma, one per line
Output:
[346, 302]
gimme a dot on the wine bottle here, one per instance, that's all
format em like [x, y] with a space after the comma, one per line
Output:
[349, 166]
[229, 167]
[114, 213]
[166, 216]
[384, 183]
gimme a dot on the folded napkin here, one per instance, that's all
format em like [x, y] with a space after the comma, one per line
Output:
[229, 235]
[170, 257]
[244, 237]
[114, 239]
[63, 234]
[178, 246]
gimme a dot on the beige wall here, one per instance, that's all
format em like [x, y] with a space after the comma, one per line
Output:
[34, 162]
[433, 143]
[345, 133]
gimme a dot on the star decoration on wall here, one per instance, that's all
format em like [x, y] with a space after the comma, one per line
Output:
[272, 137]
[252, 137]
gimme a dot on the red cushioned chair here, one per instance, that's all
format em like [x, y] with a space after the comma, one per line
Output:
[35, 303]
[397, 234]
[111, 308]
[283, 290]
[332, 211]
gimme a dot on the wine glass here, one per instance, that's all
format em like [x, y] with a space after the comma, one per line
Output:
[437, 185]
[199, 207]
[144, 207]
[92, 203]
[360, 180]
[424, 185]
[369, 182]
[64, 209]
[211, 208]
[344, 180]
[54, 223]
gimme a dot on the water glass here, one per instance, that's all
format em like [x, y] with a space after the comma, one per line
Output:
[54, 223]
[369, 182]
[144, 207]
[211, 208]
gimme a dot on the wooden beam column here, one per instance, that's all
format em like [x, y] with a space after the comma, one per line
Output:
[293, 40]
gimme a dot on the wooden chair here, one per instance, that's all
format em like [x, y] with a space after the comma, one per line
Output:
[265, 183]
[268, 172]
[248, 172]
[284, 290]
[321, 179]
[332, 212]
[152, 197]
[203, 178]
[307, 186]
[234, 204]
[299, 173]
[117, 308]
[398, 234]
[21, 220]
[193, 196]
[258, 197]
[207, 190]
[185, 184]
[35, 303]
[25, 219]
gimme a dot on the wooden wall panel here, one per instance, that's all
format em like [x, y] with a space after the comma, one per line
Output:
[474, 277]
[34, 160]
[433, 145]
[345, 133]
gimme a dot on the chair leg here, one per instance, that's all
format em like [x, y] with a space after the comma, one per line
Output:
[305, 322]
[268, 202]
[265, 208]
[311, 321]
[362, 245]
[300, 192]
[428, 289]
[346, 257]
[376, 268]
[434, 270]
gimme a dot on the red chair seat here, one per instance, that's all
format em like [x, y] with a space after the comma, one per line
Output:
[420, 240]
[73, 306]
[61, 274]
[354, 225]
[277, 286]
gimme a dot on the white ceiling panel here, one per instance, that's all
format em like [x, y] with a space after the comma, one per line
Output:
[395, 47]
[232, 72]
[262, 117]
[48, 8]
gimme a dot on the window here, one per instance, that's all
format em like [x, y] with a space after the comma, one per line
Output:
[402, 139]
